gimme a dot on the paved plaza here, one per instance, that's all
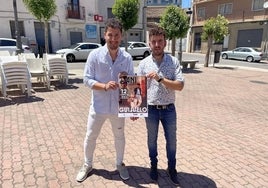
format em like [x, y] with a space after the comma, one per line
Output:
[222, 136]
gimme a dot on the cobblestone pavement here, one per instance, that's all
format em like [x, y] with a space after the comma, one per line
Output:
[222, 136]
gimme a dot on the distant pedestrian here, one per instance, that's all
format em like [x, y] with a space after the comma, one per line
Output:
[101, 75]
[164, 77]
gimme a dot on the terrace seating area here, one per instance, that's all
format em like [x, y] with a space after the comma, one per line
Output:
[20, 72]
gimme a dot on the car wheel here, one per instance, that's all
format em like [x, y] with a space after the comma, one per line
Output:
[250, 59]
[70, 58]
[224, 56]
[146, 54]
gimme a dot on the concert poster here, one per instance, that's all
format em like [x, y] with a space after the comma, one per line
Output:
[132, 96]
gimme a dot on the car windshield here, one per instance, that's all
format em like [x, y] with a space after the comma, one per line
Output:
[257, 50]
[122, 44]
[73, 46]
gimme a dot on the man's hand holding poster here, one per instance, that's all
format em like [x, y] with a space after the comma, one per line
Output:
[132, 96]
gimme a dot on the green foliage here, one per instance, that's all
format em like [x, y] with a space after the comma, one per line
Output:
[43, 10]
[127, 11]
[175, 21]
[215, 28]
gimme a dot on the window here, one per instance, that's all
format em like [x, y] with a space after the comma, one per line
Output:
[74, 5]
[4, 42]
[84, 46]
[92, 46]
[73, 9]
[257, 4]
[201, 12]
[225, 8]
[110, 13]
[165, 2]
[12, 29]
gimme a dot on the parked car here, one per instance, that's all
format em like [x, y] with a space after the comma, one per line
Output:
[243, 53]
[137, 49]
[11, 46]
[78, 51]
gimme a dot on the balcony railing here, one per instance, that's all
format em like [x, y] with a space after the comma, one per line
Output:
[235, 17]
[75, 12]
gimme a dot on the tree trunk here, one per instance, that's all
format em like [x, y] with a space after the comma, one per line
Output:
[180, 51]
[19, 49]
[46, 37]
[173, 44]
[208, 51]
[125, 40]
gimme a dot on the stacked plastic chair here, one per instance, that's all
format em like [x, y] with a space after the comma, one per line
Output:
[15, 73]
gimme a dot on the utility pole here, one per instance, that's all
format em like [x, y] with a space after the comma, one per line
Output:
[144, 20]
[189, 33]
[265, 6]
[19, 49]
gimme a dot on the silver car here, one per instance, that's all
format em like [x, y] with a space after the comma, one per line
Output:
[78, 51]
[243, 53]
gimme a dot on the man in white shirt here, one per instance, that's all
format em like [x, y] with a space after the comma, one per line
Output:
[101, 75]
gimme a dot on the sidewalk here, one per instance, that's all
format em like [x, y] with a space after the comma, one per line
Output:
[222, 136]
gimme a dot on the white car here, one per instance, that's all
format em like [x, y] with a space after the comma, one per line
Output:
[78, 51]
[137, 49]
[10, 45]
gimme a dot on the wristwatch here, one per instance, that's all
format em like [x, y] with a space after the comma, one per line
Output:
[160, 79]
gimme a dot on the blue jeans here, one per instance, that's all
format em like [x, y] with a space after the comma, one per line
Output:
[168, 119]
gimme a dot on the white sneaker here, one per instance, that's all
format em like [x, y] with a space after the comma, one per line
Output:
[83, 173]
[123, 172]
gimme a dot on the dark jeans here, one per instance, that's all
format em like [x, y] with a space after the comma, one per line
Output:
[168, 119]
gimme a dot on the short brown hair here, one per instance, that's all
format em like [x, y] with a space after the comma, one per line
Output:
[157, 30]
[113, 23]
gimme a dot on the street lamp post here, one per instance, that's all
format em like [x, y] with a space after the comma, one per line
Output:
[144, 22]
[265, 6]
[188, 12]
[188, 39]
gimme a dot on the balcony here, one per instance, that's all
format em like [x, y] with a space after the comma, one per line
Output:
[75, 12]
[238, 16]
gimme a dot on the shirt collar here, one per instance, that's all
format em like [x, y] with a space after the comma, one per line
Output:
[163, 59]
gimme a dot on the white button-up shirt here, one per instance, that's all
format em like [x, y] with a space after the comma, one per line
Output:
[100, 68]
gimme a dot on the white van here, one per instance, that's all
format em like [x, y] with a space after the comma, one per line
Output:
[11, 46]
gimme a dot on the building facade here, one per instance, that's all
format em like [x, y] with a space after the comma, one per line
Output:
[74, 21]
[248, 23]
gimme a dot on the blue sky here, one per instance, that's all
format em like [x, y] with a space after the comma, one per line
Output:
[186, 3]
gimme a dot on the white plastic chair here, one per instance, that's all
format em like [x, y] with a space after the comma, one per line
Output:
[57, 67]
[15, 73]
[28, 55]
[8, 58]
[37, 69]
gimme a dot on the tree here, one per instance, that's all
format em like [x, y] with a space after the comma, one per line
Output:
[175, 21]
[43, 10]
[17, 30]
[127, 11]
[214, 29]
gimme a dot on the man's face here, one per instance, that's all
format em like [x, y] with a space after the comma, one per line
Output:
[113, 38]
[123, 83]
[157, 44]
